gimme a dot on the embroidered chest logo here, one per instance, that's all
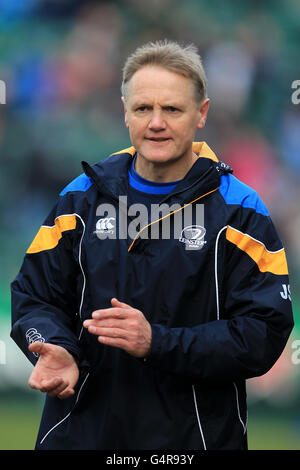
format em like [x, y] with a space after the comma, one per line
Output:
[193, 237]
[105, 226]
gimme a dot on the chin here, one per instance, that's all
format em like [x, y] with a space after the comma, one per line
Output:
[159, 158]
[157, 153]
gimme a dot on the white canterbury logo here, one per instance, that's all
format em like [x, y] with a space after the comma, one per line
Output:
[32, 335]
[105, 225]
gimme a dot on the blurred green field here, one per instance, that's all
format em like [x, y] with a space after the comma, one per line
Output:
[273, 433]
[20, 421]
[19, 424]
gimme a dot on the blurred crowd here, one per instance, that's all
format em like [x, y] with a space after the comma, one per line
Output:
[61, 61]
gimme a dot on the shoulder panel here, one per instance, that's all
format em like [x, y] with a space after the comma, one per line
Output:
[81, 183]
[266, 260]
[236, 192]
[48, 237]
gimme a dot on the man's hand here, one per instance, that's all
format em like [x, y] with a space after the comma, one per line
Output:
[121, 326]
[56, 371]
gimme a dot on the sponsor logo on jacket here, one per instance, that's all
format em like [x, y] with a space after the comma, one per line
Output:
[193, 236]
[106, 226]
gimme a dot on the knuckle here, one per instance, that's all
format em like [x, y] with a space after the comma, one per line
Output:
[135, 314]
[134, 337]
[119, 313]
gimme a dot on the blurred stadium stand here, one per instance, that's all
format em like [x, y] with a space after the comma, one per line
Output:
[61, 61]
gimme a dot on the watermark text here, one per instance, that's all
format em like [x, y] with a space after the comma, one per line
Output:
[296, 353]
[296, 94]
[2, 353]
[2, 92]
[159, 221]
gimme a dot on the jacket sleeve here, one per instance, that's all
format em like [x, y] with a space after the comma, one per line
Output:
[43, 294]
[254, 314]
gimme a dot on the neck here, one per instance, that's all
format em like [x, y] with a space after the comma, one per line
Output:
[164, 172]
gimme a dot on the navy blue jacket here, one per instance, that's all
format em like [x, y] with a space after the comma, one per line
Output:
[214, 294]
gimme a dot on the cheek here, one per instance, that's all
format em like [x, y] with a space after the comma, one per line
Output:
[134, 134]
[136, 129]
[184, 131]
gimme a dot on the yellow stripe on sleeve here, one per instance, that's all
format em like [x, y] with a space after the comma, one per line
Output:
[48, 237]
[267, 261]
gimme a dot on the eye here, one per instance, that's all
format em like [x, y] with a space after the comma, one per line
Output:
[142, 109]
[172, 109]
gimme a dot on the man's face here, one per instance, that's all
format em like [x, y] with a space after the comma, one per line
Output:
[162, 114]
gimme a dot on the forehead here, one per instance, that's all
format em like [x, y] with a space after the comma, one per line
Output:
[160, 83]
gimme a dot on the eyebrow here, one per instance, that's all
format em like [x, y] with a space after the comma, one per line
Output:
[139, 104]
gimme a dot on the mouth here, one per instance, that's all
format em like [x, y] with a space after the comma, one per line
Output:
[158, 139]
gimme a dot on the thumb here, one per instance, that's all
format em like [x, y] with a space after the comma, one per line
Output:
[38, 347]
[116, 303]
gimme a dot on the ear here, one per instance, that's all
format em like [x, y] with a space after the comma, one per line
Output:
[203, 113]
[125, 110]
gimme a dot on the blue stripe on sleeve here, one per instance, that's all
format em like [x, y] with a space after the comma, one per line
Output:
[236, 192]
[81, 183]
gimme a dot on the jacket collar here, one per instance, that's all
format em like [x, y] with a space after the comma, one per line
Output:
[111, 175]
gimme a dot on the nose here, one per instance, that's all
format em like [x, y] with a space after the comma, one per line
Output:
[157, 121]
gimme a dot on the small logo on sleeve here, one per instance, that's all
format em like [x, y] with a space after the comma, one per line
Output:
[32, 335]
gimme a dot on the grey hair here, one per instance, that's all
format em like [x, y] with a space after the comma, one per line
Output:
[184, 60]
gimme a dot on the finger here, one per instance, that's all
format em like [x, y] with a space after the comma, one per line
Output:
[33, 384]
[113, 312]
[68, 392]
[44, 385]
[89, 323]
[49, 386]
[58, 390]
[116, 303]
[108, 332]
[114, 342]
[37, 347]
[123, 343]
[106, 323]
[35, 380]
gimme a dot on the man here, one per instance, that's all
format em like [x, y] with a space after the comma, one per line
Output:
[143, 330]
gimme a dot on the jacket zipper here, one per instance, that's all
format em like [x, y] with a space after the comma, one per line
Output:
[169, 215]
